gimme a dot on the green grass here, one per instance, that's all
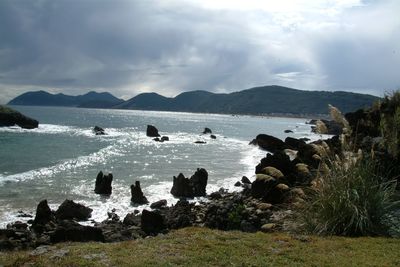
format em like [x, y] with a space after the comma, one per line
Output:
[205, 247]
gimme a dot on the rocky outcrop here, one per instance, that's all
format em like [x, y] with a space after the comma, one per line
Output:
[11, 117]
[98, 130]
[71, 231]
[69, 210]
[269, 143]
[180, 215]
[193, 187]
[159, 204]
[152, 222]
[152, 131]
[43, 213]
[103, 184]
[294, 143]
[207, 131]
[137, 196]
[279, 160]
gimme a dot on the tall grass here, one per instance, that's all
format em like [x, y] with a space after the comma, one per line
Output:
[355, 200]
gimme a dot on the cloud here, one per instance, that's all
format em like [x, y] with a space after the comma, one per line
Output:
[128, 47]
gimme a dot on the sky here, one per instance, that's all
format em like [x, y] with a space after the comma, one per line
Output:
[128, 47]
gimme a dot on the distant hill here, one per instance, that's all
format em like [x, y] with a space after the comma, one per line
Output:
[89, 100]
[257, 101]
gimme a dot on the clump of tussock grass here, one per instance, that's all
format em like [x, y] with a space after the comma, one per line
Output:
[350, 200]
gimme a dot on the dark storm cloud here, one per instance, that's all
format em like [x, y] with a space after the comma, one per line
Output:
[127, 47]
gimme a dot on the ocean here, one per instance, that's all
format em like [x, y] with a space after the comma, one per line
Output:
[60, 159]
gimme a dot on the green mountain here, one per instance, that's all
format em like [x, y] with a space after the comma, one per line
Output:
[89, 100]
[256, 101]
[259, 100]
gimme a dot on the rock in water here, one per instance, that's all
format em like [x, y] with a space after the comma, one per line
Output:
[152, 131]
[207, 131]
[213, 136]
[193, 187]
[98, 130]
[11, 117]
[152, 222]
[269, 143]
[103, 184]
[43, 213]
[71, 210]
[137, 195]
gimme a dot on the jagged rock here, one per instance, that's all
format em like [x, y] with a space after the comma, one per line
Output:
[213, 136]
[269, 143]
[180, 215]
[193, 187]
[245, 180]
[11, 117]
[137, 195]
[98, 130]
[207, 131]
[43, 213]
[152, 131]
[152, 222]
[238, 183]
[70, 231]
[71, 210]
[294, 143]
[103, 183]
[159, 204]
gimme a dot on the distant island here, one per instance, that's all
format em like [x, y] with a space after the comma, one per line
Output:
[265, 100]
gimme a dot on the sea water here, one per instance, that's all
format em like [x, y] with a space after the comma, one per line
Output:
[61, 159]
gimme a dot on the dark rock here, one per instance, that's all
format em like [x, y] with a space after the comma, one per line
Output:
[22, 214]
[11, 117]
[71, 210]
[215, 195]
[180, 215]
[294, 143]
[103, 183]
[288, 131]
[164, 138]
[305, 139]
[213, 136]
[98, 130]
[207, 131]
[262, 185]
[152, 131]
[246, 180]
[157, 139]
[152, 222]
[43, 213]
[69, 231]
[137, 195]
[238, 183]
[332, 126]
[193, 187]
[200, 142]
[279, 160]
[269, 143]
[131, 219]
[159, 204]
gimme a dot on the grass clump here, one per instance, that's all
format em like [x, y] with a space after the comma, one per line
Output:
[351, 200]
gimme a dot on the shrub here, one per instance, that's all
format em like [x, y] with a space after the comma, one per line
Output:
[350, 200]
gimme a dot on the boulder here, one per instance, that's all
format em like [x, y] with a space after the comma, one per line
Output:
[98, 130]
[193, 187]
[180, 215]
[159, 204]
[213, 136]
[164, 138]
[131, 219]
[71, 210]
[43, 213]
[152, 131]
[103, 184]
[269, 143]
[152, 222]
[294, 143]
[262, 185]
[237, 184]
[11, 117]
[70, 231]
[137, 195]
[207, 131]
[245, 180]
[279, 160]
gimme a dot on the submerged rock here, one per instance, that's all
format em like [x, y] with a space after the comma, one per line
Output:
[200, 142]
[193, 187]
[103, 184]
[213, 136]
[137, 195]
[98, 130]
[11, 117]
[152, 131]
[207, 131]
[71, 210]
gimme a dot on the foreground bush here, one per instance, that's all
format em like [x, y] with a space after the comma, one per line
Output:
[351, 200]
